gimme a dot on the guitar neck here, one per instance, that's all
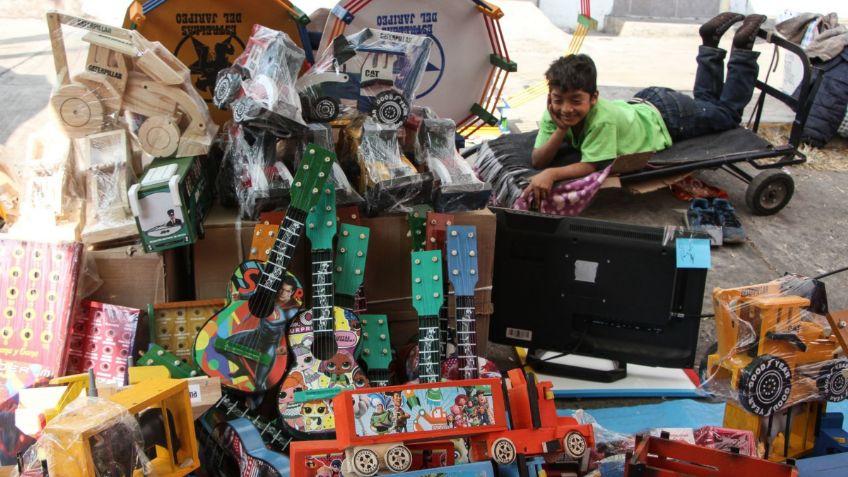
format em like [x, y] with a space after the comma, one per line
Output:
[378, 377]
[274, 273]
[466, 332]
[429, 356]
[322, 291]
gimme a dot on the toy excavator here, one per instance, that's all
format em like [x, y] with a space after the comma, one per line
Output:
[124, 72]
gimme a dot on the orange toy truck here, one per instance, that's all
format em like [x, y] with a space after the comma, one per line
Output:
[501, 419]
[778, 345]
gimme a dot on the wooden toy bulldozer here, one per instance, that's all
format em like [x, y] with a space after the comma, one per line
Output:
[779, 345]
[124, 72]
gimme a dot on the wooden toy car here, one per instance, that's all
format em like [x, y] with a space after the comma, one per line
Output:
[775, 349]
[124, 72]
[373, 427]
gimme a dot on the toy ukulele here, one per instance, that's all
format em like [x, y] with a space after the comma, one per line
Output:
[427, 298]
[244, 343]
[376, 348]
[462, 273]
[417, 220]
[350, 267]
[322, 341]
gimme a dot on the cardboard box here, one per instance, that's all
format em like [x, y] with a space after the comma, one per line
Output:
[130, 277]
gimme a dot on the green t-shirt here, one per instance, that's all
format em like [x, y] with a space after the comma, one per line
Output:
[612, 129]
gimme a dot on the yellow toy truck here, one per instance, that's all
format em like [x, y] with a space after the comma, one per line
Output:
[778, 345]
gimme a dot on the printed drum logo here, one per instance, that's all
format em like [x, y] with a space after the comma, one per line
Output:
[204, 63]
[435, 69]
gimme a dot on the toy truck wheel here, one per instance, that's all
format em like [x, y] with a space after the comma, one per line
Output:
[769, 192]
[159, 136]
[398, 459]
[390, 108]
[365, 462]
[79, 110]
[832, 382]
[765, 385]
[226, 88]
[503, 451]
[326, 109]
[575, 445]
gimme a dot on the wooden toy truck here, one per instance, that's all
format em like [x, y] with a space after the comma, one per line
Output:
[124, 72]
[774, 349]
[501, 418]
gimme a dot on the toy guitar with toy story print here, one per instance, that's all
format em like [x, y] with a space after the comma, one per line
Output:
[462, 272]
[435, 234]
[323, 341]
[427, 298]
[244, 343]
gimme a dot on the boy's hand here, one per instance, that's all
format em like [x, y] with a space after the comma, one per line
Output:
[539, 187]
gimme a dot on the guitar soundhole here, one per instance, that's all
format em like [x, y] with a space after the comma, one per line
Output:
[324, 347]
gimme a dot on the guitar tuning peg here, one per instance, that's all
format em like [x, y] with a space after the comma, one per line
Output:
[361, 236]
[345, 233]
[472, 271]
[453, 233]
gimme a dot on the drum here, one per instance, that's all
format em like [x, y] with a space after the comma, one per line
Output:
[208, 36]
[469, 62]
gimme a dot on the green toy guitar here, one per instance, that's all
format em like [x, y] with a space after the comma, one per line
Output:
[427, 298]
[244, 343]
[323, 341]
[376, 348]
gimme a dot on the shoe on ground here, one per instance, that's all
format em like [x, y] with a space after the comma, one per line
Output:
[731, 228]
[700, 214]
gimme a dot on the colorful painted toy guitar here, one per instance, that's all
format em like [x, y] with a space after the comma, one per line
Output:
[174, 325]
[244, 343]
[240, 439]
[323, 340]
[271, 431]
[435, 234]
[427, 298]
[376, 348]
[462, 273]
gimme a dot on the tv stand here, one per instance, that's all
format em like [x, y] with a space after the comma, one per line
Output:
[550, 365]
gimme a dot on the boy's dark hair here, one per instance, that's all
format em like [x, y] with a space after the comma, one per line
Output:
[573, 72]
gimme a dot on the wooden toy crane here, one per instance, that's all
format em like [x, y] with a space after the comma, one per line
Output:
[124, 72]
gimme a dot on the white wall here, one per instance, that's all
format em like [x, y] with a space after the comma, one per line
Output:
[563, 13]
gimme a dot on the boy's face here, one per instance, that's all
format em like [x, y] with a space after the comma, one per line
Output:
[570, 107]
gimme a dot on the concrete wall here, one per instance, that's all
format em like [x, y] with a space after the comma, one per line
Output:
[775, 8]
[563, 13]
[666, 9]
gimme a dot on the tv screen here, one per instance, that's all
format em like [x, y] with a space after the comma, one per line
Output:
[594, 288]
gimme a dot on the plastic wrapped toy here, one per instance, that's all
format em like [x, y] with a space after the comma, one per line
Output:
[259, 86]
[373, 71]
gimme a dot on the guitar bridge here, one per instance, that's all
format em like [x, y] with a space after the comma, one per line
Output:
[225, 346]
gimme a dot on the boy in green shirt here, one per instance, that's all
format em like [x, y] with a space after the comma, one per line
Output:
[603, 130]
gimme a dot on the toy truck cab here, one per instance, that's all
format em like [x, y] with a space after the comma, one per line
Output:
[774, 349]
[373, 71]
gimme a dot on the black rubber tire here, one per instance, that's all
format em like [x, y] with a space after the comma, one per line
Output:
[765, 385]
[769, 192]
[832, 383]
[325, 109]
[389, 107]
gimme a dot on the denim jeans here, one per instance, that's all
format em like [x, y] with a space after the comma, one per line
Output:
[718, 103]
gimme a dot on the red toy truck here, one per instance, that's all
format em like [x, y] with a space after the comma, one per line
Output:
[501, 419]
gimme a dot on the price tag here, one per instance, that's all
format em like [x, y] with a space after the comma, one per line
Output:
[693, 253]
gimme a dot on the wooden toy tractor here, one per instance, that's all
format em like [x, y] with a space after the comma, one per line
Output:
[778, 345]
[124, 72]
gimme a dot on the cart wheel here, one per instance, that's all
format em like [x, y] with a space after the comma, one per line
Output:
[79, 110]
[390, 108]
[326, 109]
[769, 192]
[365, 462]
[399, 458]
[503, 451]
[765, 385]
[575, 445]
[159, 136]
[832, 382]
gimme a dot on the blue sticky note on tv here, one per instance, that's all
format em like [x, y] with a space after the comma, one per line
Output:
[693, 253]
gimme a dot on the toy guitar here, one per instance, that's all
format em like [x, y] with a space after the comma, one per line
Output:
[376, 348]
[270, 431]
[244, 343]
[352, 215]
[436, 232]
[417, 221]
[322, 341]
[427, 298]
[241, 440]
[462, 273]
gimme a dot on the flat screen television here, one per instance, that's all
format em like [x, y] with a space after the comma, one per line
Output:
[593, 288]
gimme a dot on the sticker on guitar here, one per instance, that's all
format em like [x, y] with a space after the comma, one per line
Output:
[244, 343]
